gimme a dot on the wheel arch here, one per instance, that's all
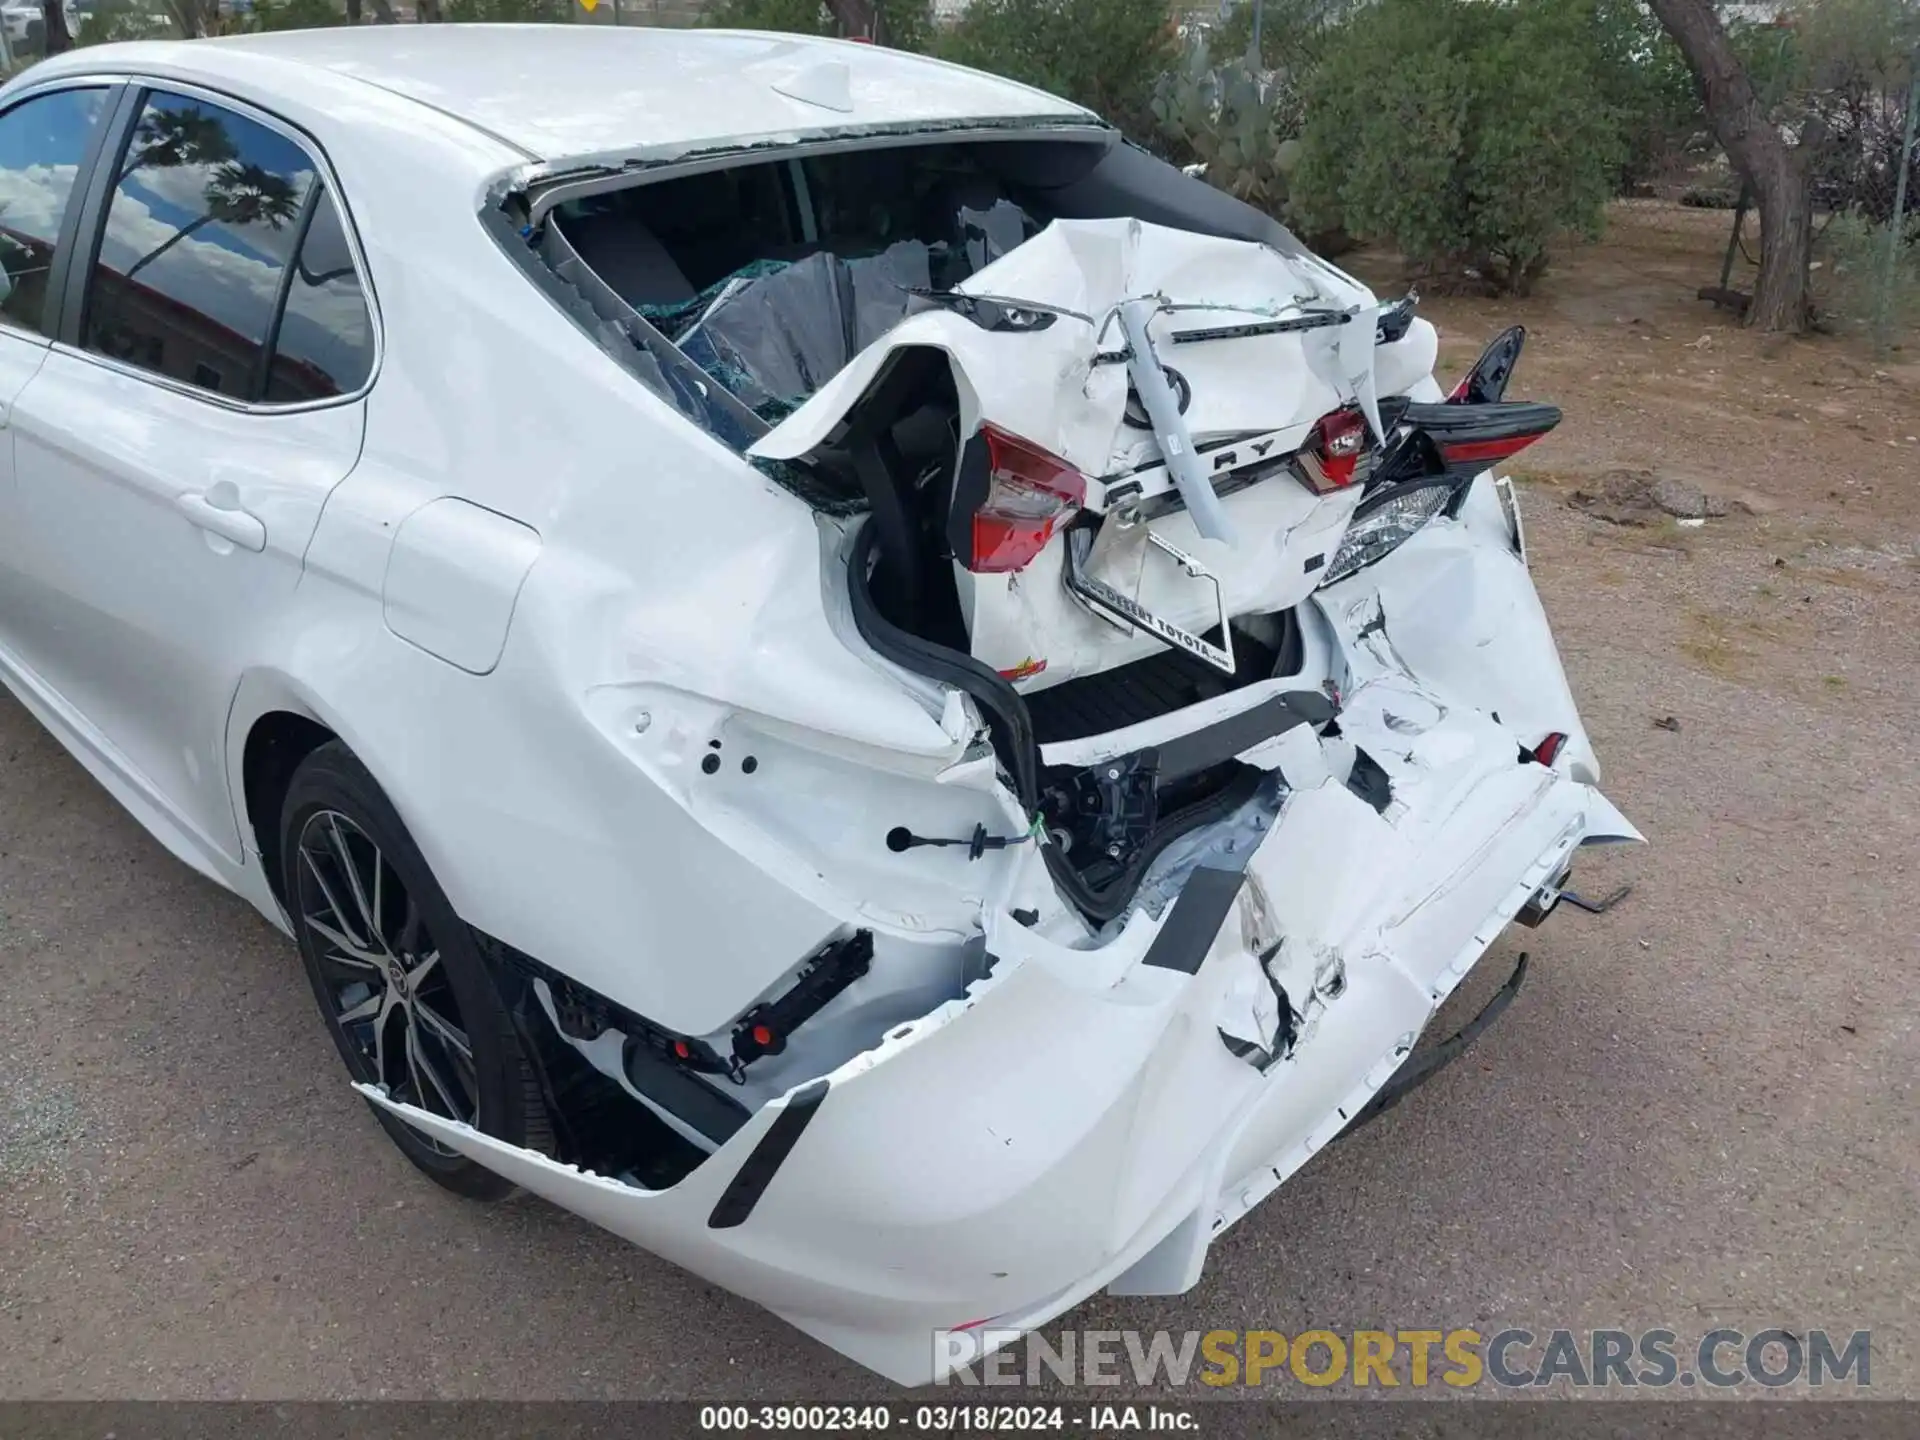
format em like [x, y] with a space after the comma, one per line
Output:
[275, 722]
[275, 745]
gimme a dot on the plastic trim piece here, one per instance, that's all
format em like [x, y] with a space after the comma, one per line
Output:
[756, 1172]
[1188, 931]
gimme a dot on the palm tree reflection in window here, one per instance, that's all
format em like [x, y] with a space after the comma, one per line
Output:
[236, 194]
[210, 314]
[186, 136]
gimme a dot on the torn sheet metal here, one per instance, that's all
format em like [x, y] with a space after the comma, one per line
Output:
[1054, 386]
[1097, 1097]
[1162, 345]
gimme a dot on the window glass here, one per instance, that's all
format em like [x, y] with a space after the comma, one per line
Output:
[42, 143]
[325, 344]
[199, 232]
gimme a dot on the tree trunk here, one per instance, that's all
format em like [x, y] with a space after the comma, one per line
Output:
[1786, 247]
[383, 12]
[1778, 172]
[58, 37]
[427, 12]
[353, 12]
[855, 18]
[189, 17]
[167, 244]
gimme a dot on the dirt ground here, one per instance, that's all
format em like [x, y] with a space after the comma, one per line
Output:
[1700, 1111]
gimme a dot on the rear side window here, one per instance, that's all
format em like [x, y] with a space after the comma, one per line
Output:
[198, 258]
[325, 341]
[43, 142]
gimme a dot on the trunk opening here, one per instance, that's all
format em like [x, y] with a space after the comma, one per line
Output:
[1105, 823]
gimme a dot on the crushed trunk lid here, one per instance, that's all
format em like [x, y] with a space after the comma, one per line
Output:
[1177, 375]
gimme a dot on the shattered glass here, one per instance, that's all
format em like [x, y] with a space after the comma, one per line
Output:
[775, 332]
[984, 236]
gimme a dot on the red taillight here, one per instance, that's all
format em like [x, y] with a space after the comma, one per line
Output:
[1334, 455]
[1486, 452]
[1548, 750]
[1029, 492]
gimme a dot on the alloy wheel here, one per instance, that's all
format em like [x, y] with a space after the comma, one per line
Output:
[381, 971]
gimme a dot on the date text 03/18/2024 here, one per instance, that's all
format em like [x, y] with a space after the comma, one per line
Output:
[948, 1419]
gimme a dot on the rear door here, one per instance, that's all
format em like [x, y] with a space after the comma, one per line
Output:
[46, 144]
[202, 398]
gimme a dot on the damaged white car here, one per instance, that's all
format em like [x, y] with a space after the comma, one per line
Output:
[831, 666]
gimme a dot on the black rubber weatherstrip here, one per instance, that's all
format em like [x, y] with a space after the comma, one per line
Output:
[1188, 931]
[756, 1172]
[1185, 755]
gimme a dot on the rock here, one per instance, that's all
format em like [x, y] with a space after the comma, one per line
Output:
[1645, 497]
[1622, 497]
[1678, 498]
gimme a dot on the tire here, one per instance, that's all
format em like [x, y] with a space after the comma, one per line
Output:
[413, 1006]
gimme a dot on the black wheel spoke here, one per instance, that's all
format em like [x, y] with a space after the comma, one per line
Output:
[382, 1023]
[342, 935]
[426, 969]
[412, 930]
[442, 1029]
[345, 952]
[427, 1078]
[387, 982]
[367, 1009]
[354, 885]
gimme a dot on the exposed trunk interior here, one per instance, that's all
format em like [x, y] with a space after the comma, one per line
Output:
[1160, 684]
[770, 275]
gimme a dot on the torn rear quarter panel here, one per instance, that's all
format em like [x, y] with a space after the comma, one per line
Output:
[1076, 1119]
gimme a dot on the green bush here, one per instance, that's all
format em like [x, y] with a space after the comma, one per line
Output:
[111, 20]
[799, 17]
[904, 24]
[1103, 54]
[500, 12]
[1852, 283]
[1644, 78]
[1472, 136]
[296, 15]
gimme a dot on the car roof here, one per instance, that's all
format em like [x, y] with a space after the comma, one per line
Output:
[554, 91]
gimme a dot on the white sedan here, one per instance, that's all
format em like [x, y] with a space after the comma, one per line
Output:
[829, 665]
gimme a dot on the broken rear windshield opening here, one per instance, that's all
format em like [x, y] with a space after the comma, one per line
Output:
[754, 285]
[771, 277]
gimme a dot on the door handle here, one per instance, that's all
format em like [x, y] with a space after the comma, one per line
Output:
[217, 510]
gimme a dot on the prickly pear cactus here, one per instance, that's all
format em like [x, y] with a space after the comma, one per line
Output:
[1239, 119]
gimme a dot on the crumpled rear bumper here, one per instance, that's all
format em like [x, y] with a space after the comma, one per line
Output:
[1078, 1120]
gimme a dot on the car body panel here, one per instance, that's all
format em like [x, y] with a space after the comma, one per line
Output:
[1053, 388]
[655, 756]
[128, 606]
[453, 575]
[1077, 1111]
[605, 90]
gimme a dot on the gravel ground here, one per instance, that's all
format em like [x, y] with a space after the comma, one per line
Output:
[1699, 1112]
